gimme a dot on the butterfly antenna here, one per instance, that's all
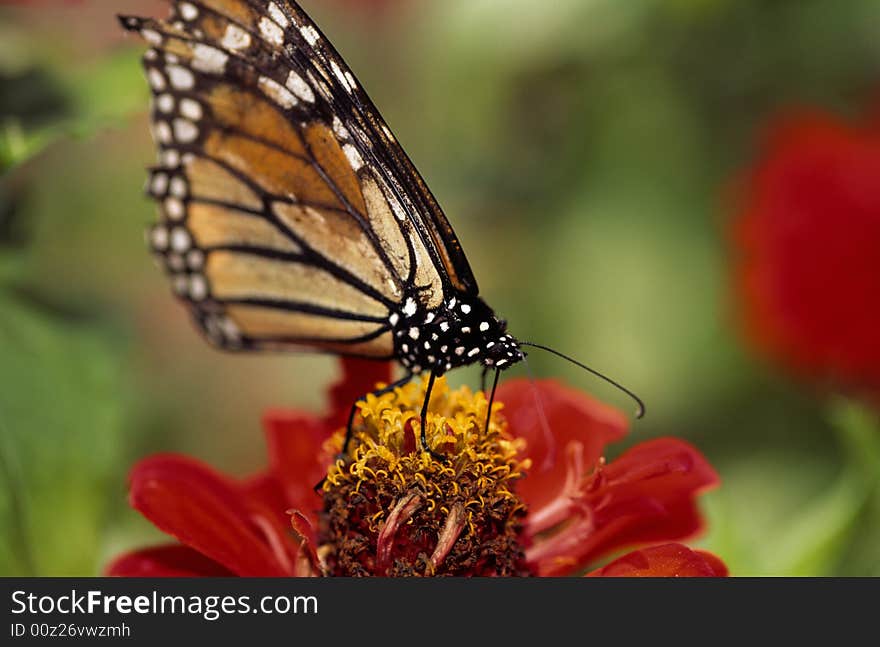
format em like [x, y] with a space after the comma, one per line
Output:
[640, 411]
[549, 438]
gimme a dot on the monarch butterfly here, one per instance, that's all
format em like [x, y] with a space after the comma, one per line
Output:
[289, 215]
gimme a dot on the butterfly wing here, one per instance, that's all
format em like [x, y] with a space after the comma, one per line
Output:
[289, 216]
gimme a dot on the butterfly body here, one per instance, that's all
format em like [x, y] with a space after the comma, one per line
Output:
[461, 331]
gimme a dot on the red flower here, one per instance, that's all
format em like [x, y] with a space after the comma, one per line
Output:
[576, 514]
[806, 242]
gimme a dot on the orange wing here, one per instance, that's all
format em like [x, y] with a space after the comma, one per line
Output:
[288, 214]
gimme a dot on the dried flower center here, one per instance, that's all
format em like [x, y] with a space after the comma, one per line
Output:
[393, 509]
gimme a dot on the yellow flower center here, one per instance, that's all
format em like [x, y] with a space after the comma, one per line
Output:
[392, 508]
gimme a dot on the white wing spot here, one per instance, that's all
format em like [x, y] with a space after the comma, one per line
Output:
[354, 158]
[271, 31]
[352, 83]
[185, 131]
[209, 59]
[195, 259]
[162, 132]
[473, 352]
[414, 333]
[300, 88]
[230, 329]
[465, 308]
[459, 350]
[151, 55]
[235, 38]
[180, 77]
[191, 109]
[278, 93]
[484, 326]
[278, 15]
[394, 318]
[159, 238]
[178, 187]
[310, 34]
[340, 75]
[165, 103]
[174, 208]
[152, 36]
[397, 208]
[169, 158]
[157, 81]
[188, 12]
[180, 240]
[410, 307]
[159, 184]
[340, 129]
[198, 287]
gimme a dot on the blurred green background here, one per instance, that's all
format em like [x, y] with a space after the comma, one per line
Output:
[581, 147]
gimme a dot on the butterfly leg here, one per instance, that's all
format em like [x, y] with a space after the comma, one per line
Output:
[348, 427]
[424, 438]
[491, 397]
[483, 375]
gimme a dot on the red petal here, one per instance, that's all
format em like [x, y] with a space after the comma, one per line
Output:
[266, 491]
[172, 560]
[646, 495]
[571, 415]
[205, 511]
[805, 240]
[296, 456]
[359, 377]
[668, 560]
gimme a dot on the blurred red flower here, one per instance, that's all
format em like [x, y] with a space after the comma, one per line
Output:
[576, 514]
[806, 240]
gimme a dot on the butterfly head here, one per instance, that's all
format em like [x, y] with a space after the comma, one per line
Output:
[502, 352]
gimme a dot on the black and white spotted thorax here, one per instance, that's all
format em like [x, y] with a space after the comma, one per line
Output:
[462, 331]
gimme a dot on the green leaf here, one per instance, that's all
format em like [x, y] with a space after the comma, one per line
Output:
[821, 533]
[798, 514]
[18, 144]
[60, 432]
[100, 95]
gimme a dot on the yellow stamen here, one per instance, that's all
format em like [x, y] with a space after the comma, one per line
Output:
[395, 508]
